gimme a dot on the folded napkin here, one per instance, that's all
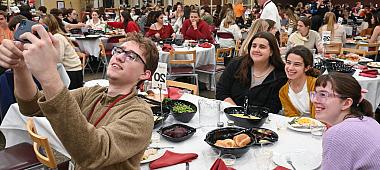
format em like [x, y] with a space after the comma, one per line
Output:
[369, 73]
[205, 45]
[280, 168]
[167, 48]
[171, 158]
[220, 165]
[174, 93]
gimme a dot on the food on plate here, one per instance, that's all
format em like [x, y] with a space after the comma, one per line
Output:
[182, 108]
[176, 132]
[303, 122]
[264, 136]
[373, 64]
[241, 115]
[350, 56]
[148, 153]
[238, 141]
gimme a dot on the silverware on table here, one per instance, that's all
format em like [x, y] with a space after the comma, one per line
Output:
[290, 162]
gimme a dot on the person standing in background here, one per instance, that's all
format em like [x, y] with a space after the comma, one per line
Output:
[270, 11]
[239, 12]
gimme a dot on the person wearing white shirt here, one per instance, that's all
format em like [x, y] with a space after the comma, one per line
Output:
[228, 25]
[95, 22]
[270, 12]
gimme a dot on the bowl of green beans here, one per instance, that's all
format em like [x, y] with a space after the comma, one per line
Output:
[182, 110]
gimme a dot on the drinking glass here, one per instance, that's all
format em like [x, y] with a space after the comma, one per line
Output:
[209, 112]
[228, 159]
[317, 131]
[263, 157]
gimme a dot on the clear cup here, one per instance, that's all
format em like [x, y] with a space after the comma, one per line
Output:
[228, 159]
[210, 156]
[317, 131]
[209, 112]
[263, 158]
[155, 139]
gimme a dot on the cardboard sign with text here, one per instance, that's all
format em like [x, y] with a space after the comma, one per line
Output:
[326, 37]
[159, 77]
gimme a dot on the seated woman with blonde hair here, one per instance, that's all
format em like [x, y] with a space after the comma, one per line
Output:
[294, 95]
[228, 25]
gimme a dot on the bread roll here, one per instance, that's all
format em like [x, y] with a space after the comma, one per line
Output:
[226, 143]
[242, 140]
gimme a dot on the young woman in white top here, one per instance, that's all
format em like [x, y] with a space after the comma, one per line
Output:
[95, 22]
[376, 31]
[294, 95]
[67, 55]
[228, 25]
[179, 18]
[338, 32]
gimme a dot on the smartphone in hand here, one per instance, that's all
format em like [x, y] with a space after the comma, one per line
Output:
[25, 26]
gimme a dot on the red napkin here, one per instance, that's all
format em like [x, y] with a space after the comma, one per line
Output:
[167, 48]
[171, 158]
[369, 73]
[205, 45]
[280, 168]
[220, 165]
[174, 93]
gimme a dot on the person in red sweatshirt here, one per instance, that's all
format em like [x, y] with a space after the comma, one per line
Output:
[126, 23]
[159, 30]
[196, 29]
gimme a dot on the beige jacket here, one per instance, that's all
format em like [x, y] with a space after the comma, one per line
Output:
[118, 141]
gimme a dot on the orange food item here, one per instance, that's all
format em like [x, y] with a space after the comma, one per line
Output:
[242, 140]
[226, 143]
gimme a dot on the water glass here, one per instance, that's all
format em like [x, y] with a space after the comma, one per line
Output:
[209, 112]
[317, 131]
[228, 159]
[263, 157]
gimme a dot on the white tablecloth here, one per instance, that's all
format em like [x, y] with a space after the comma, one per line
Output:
[289, 141]
[89, 46]
[373, 87]
[14, 129]
[348, 29]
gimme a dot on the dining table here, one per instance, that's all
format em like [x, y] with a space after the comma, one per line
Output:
[289, 141]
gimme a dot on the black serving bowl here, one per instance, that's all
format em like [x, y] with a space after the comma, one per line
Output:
[261, 112]
[188, 133]
[264, 136]
[168, 41]
[184, 117]
[342, 68]
[225, 133]
[157, 112]
[179, 42]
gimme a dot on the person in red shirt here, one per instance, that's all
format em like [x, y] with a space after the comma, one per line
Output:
[195, 28]
[126, 22]
[159, 30]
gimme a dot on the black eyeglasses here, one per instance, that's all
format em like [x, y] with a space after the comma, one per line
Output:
[128, 55]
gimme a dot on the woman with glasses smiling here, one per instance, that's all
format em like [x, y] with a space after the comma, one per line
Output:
[294, 95]
[353, 140]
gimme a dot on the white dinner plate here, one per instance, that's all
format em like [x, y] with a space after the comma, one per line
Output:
[300, 159]
[151, 158]
[306, 130]
[92, 36]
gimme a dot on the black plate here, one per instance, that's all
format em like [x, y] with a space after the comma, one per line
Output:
[262, 133]
[224, 133]
[258, 111]
[190, 132]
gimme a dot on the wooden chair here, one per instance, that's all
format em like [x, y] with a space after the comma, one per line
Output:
[83, 60]
[283, 39]
[237, 47]
[103, 59]
[365, 49]
[214, 68]
[192, 87]
[333, 48]
[184, 67]
[41, 143]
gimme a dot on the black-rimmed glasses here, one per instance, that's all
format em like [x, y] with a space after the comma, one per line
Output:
[128, 55]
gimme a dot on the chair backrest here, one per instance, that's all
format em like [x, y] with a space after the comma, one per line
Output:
[333, 48]
[237, 47]
[172, 59]
[40, 142]
[224, 35]
[222, 53]
[371, 48]
[182, 85]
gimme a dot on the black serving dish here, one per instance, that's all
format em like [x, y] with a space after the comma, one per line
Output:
[225, 133]
[261, 112]
[264, 136]
[342, 68]
[184, 117]
[157, 112]
[168, 41]
[169, 129]
[179, 42]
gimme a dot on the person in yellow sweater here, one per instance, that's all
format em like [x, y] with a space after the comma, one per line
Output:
[294, 95]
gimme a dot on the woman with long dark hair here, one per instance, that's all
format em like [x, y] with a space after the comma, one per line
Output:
[258, 76]
[376, 31]
[353, 139]
[126, 23]
[159, 30]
